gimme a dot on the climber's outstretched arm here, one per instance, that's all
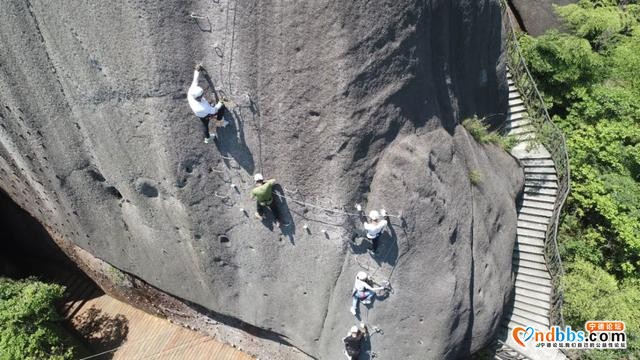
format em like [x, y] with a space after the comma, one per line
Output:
[196, 74]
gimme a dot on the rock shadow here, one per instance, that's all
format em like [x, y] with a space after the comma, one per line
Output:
[231, 141]
[387, 251]
[102, 331]
[502, 333]
[387, 247]
[366, 352]
[287, 225]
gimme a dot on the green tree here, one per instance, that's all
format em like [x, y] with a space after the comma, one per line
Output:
[597, 294]
[590, 78]
[566, 63]
[29, 328]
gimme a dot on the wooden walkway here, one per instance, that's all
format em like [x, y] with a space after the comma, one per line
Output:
[120, 331]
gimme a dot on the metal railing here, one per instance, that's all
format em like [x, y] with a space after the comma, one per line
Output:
[549, 135]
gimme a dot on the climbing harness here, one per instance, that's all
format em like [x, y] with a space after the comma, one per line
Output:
[197, 19]
[376, 330]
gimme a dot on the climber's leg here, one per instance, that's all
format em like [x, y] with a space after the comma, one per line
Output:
[205, 125]
[205, 128]
[259, 210]
[354, 304]
[374, 243]
[274, 209]
[220, 109]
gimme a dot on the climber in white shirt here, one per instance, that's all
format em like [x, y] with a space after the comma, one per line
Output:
[201, 107]
[363, 291]
[374, 226]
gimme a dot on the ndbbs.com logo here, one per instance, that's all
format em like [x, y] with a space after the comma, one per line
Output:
[598, 335]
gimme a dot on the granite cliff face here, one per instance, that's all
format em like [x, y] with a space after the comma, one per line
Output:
[536, 17]
[342, 102]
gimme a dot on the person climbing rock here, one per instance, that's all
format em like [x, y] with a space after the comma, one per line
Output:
[353, 341]
[363, 290]
[263, 194]
[201, 107]
[374, 226]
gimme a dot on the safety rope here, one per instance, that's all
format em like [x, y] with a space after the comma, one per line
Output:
[303, 203]
[333, 211]
[233, 40]
[366, 314]
[342, 213]
[386, 283]
[224, 45]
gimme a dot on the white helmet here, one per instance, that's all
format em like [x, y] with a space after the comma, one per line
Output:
[361, 275]
[196, 91]
[374, 215]
[354, 330]
[258, 177]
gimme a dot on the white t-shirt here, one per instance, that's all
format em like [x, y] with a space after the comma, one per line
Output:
[361, 285]
[201, 108]
[374, 229]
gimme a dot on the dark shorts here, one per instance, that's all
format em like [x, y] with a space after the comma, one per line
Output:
[205, 120]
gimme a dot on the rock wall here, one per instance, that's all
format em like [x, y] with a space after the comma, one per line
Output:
[538, 16]
[342, 102]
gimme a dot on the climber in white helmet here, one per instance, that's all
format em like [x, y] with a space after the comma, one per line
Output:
[353, 341]
[201, 107]
[263, 194]
[363, 290]
[374, 225]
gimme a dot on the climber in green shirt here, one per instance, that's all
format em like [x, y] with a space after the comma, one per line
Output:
[263, 194]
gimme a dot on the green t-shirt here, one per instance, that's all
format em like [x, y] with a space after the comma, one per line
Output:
[262, 193]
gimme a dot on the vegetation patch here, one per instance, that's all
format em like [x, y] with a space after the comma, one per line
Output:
[29, 324]
[475, 177]
[480, 132]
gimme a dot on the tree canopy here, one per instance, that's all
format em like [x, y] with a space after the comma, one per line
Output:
[590, 78]
[29, 328]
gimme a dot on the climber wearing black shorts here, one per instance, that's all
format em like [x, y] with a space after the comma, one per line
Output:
[353, 341]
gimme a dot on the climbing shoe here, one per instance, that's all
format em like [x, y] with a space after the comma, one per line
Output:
[258, 216]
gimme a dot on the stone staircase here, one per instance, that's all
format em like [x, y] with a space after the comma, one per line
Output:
[533, 283]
